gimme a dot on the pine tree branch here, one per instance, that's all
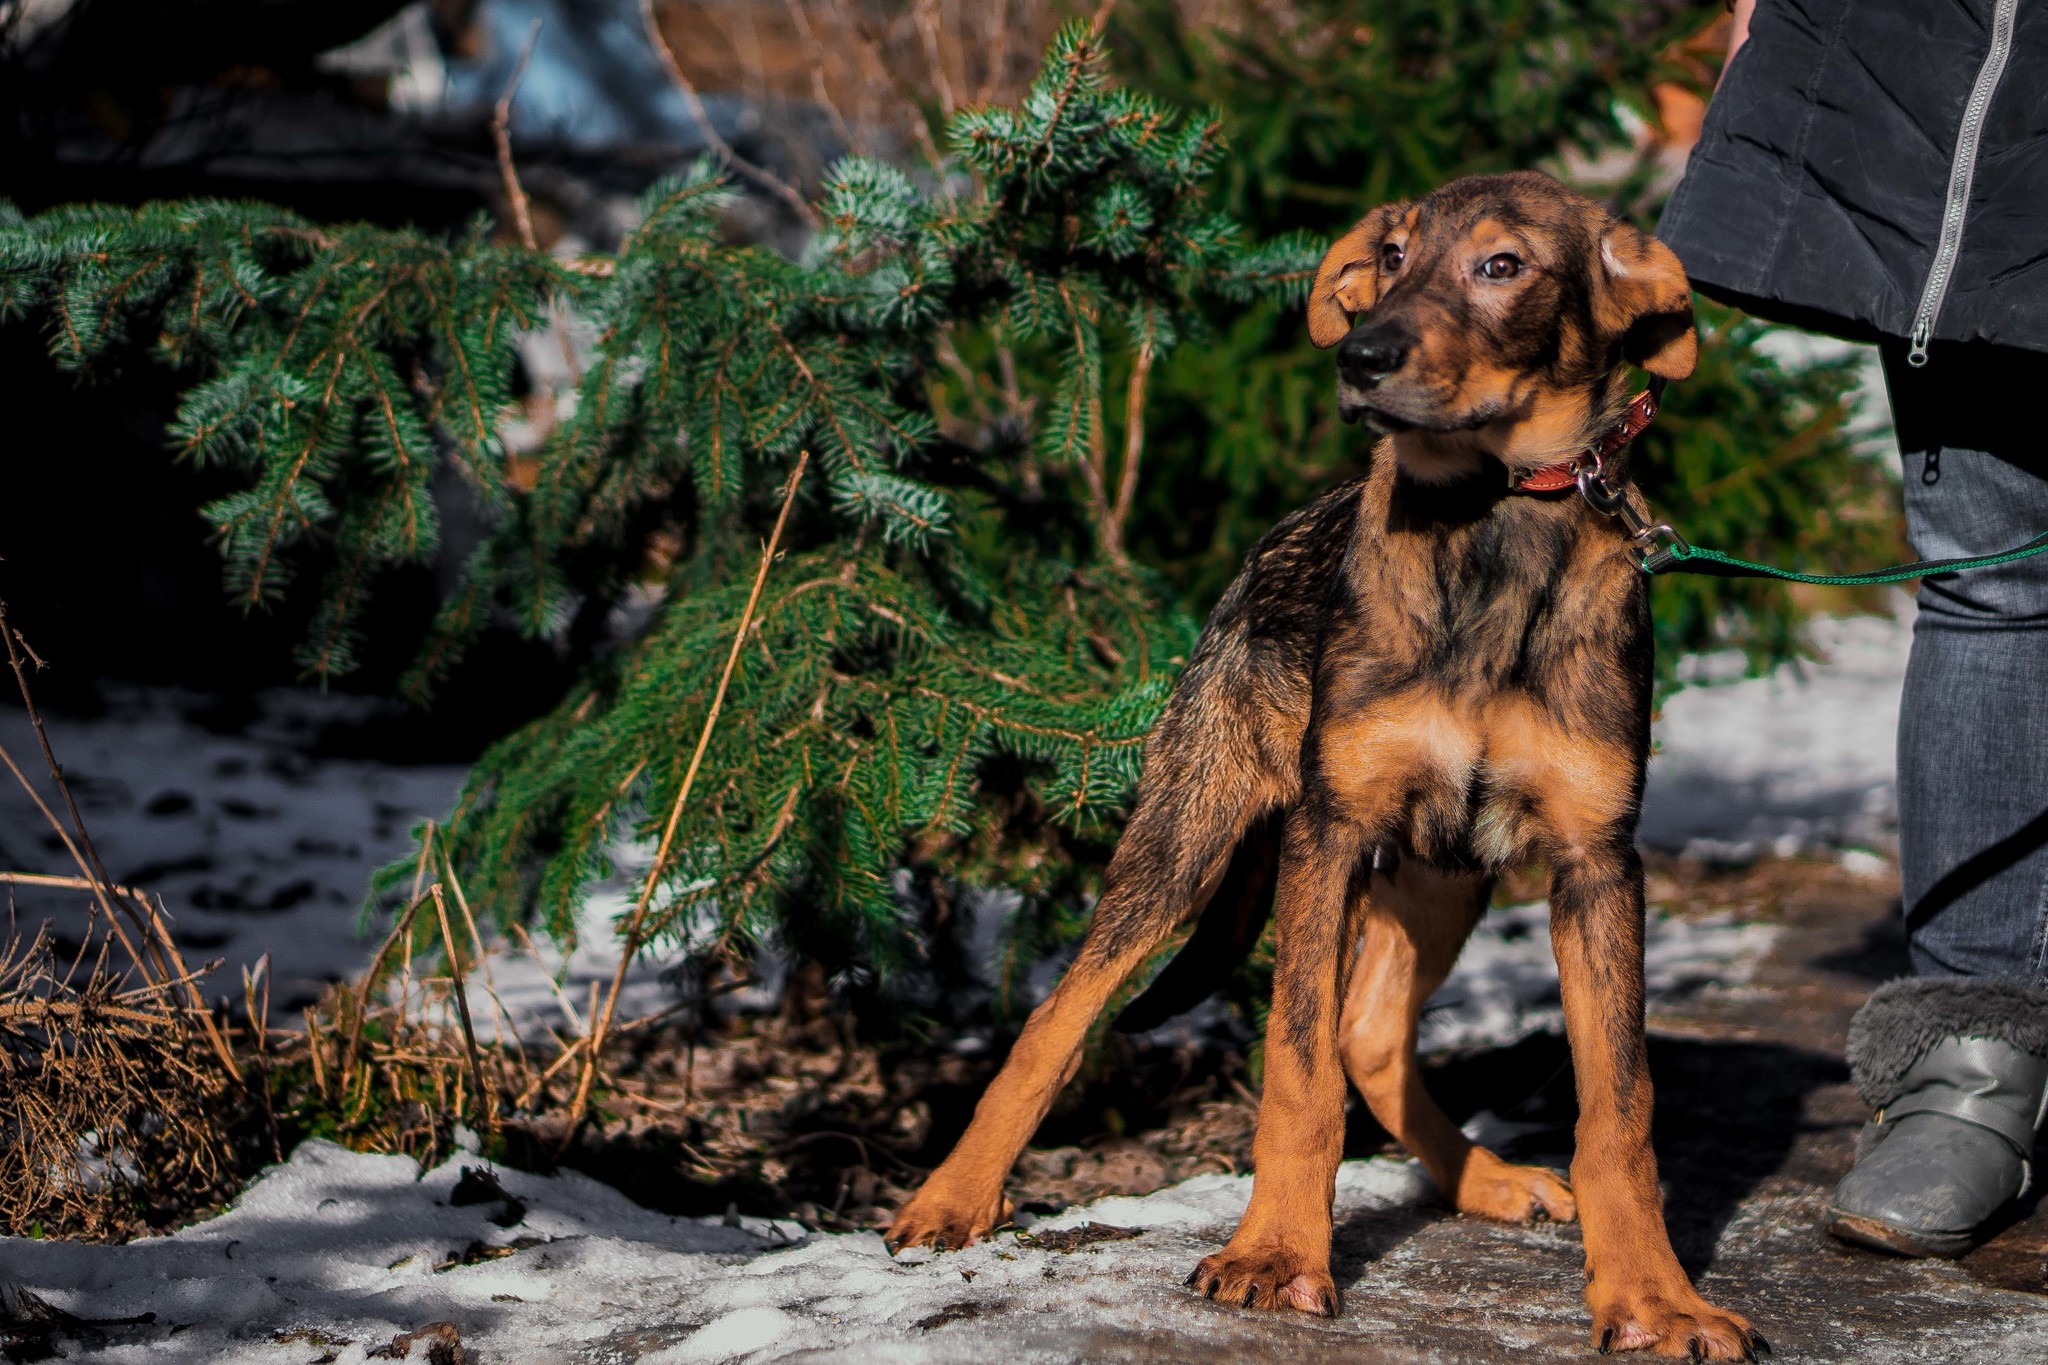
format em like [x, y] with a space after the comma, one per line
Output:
[635, 926]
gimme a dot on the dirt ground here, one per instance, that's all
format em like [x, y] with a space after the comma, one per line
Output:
[1756, 1121]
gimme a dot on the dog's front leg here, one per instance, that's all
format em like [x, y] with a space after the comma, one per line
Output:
[1280, 1255]
[1639, 1294]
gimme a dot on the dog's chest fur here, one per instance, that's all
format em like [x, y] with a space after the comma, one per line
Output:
[1479, 682]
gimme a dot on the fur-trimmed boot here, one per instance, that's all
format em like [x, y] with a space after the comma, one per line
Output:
[1958, 1073]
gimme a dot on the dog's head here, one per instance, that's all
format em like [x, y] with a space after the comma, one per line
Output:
[1496, 316]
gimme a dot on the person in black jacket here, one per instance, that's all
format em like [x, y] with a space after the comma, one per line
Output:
[1878, 170]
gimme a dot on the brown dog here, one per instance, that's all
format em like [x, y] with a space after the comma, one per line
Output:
[1419, 680]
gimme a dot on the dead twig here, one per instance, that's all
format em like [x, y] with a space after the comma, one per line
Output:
[1134, 449]
[760, 175]
[521, 206]
[157, 943]
[62, 883]
[634, 927]
[501, 134]
[486, 1096]
[503, 1017]
[351, 1054]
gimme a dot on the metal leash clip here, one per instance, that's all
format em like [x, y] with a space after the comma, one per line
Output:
[1603, 496]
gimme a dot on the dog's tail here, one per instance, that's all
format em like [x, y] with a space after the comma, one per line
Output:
[1226, 932]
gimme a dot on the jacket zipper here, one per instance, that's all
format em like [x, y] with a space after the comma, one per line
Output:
[1960, 172]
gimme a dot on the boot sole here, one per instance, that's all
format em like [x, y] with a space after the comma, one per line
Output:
[1869, 1232]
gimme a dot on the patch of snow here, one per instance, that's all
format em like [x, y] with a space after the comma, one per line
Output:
[1801, 758]
[255, 844]
[333, 1254]
[1505, 984]
[363, 1247]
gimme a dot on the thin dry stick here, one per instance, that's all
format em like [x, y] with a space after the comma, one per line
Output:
[1134, 449]
[476, 939]
[499, 1013]
[926, 14]
[501, 133]
[602, 1022]
[539, 1083]
[35, 717]
[419, 864]
[486, 1098]
[63, 883]
[883, 75]
[761, 176]
[173, 961]
[996, 33]
[576, 1023]
[515, 193]
[347, 1060]
[259, 1017]
[314, 1047]
[801, 18]
[169, 962]
[96, 877]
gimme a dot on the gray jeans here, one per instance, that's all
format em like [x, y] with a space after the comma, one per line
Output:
[1973, 725]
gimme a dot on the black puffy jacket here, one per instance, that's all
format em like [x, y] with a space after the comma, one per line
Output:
[1878, 168]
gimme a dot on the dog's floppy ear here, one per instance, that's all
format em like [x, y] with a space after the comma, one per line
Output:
[1644, 298]
[1347, 281]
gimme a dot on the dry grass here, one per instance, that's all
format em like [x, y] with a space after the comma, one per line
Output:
[115, 1117]
[122, 1103]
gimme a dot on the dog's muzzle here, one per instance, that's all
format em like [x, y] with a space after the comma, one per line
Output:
[1370, 354]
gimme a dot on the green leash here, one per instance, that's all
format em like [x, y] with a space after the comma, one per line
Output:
[1680, 557]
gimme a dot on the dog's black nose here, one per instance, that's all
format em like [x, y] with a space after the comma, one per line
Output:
[1367, 357]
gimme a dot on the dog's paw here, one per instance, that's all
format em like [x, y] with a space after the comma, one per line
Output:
[1684, 1326]
[1513, 1194]
[1266, 1276]
[946, 1217]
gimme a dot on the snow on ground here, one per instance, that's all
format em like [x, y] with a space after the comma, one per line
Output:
[1505, 984]
[1780, 764]
[328, 1259]
[335, 1245]
[259, 840]
[255, 844]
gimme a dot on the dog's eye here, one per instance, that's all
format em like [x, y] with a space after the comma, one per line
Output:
[1504, 266]
[1391, 256]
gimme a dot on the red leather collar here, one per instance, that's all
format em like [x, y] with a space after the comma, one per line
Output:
[1555, 478]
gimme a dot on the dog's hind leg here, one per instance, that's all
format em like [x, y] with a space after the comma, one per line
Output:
[1415, 922]
[1208, 775]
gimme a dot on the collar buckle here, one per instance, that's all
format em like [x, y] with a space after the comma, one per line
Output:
[1555, 478]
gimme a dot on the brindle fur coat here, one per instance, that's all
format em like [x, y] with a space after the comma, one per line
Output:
[1419, 680]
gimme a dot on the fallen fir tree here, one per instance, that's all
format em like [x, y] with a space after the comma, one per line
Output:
[954, 660]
